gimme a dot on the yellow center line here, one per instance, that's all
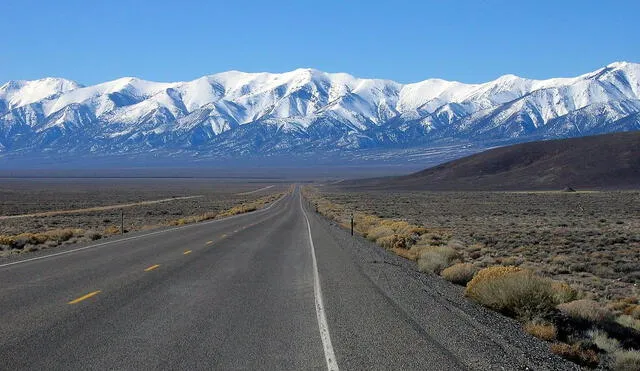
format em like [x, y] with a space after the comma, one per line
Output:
[76, 301]
[186, 252]
[152, 267]
[209, 242]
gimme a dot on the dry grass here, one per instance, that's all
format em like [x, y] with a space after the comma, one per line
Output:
[240, 209]
[51, 238]
[513, 291]
[95, 208]
[563, 293]
[544, 331]
[626, 360]
[588, 240]
[628, 321]
[411, 241]
[436, 258]
[390, 234]
[586, 309]
[111, 230]
[7, 240]
[423, 246]
[27, 241]
[575, 353]
[96, 204]
[193, 219]
[396, 235]
[393, 241]
[460, 273]
[635, 312]
[376, 232]
[602, 340]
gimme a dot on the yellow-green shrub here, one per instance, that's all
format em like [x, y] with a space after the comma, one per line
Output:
[61, 235]
[513, 291]
[32, 238]
[635, 312]
[243, 208]
[626, 360]
[57, 235]
[602, 340]
[628, 321]
[563, 292]
[575, 353]
[374, 233]
[587, 310]
[460, 273]
[111, 230]
[436, 258]
[544, 331]
[389, 233]
[7, 240]
[393, 241]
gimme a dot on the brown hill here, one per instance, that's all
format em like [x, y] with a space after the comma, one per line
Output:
[602, 161]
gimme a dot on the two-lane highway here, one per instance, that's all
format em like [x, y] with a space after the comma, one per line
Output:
[242, 297]
[265, 290]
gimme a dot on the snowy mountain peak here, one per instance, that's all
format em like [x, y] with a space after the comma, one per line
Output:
[23, 92]
[508, 77]
[307, 71]
[620, 64]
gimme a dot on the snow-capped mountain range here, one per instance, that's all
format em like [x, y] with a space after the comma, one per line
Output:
[235, 113]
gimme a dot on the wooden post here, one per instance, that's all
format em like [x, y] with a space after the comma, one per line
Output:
[352, 224]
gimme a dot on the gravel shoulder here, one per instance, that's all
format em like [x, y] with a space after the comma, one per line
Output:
[477, 338]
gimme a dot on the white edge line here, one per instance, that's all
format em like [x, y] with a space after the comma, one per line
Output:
[141, 236]
[329, 354]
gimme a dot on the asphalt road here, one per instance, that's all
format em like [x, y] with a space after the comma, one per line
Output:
[266, 290]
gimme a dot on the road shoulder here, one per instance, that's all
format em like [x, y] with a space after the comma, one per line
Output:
[452, 326]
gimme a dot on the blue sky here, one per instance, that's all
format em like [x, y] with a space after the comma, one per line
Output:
[406, 41]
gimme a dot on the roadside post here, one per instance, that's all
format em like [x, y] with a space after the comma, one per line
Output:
[352, 223]
[121, 221]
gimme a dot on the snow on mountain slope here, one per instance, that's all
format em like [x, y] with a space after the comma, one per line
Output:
[433, 93]
[72, 117]
[556, 98]
[106, 96]
[21, 93]
[307, 109]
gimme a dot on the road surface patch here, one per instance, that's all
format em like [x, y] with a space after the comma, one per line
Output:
[84, 297]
